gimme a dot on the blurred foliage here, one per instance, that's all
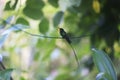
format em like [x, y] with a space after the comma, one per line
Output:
[104, 65]
[39, 58]
[58, 18]
[33, 9]
[5, 75]
[44, 22]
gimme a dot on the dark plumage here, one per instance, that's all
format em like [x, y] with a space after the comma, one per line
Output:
[64, 35]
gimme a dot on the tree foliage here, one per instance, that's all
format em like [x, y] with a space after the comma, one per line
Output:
[49, 57]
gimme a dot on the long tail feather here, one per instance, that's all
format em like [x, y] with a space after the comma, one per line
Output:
[77, 60]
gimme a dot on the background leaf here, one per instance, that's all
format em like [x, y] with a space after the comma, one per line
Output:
[104, 64]
[44, 25]
[53, 2]
[33, 9]
[5, 74]
[22, 21]
[58, 18]
[9, 6]
[35, 4]
[33, 13]
[77, 17]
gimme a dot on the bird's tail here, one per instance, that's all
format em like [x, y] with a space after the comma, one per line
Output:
[77, 60]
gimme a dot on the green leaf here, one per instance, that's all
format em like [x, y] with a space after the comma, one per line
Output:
[35, 4]
[104, 64]
[57, 18]
[33, 13]
[44, 25]
[22, 21]
[5, 74]
[33, 9]
[53, 2]
[8, 6]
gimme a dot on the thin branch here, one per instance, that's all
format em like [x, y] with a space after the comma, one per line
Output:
[37, 35]
[2, 66]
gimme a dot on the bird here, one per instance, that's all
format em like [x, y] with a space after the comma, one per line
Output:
[67, 38]
[64, 35]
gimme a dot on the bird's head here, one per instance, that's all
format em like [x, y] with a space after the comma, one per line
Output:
[60, 29]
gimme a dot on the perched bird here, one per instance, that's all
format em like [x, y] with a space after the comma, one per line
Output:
[66, 37]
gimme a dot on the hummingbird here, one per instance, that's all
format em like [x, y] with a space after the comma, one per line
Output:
[67, 38]
[64, 35]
